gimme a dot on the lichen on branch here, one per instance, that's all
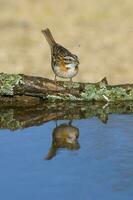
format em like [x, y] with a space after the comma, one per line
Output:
[8, 82]
[20, 84]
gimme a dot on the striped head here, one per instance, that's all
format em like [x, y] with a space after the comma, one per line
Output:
[71, 61]
[59, 54]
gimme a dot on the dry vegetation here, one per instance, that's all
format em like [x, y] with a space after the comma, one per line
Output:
[99, 32]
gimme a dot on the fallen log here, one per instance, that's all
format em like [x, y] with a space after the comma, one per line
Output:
[27, 101]
[13, 86]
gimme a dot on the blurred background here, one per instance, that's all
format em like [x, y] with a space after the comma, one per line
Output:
[99, 32]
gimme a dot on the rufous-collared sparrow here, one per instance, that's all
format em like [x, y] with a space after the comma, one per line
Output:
[63, 62]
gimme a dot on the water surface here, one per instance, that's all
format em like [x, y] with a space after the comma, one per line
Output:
[101, 167]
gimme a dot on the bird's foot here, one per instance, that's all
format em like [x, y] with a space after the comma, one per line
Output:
[71, 81]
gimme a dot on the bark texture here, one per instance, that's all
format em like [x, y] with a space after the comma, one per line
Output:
[16, 85]
[26, 101]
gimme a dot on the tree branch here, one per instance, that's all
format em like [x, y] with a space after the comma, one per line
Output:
[16, 85]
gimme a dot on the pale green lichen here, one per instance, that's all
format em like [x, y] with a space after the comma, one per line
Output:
[8, 121]
[93, 92]
[97, 92]
[8, 82]
[117, 93]
[64, 98]
[70, 85]
[54, 97]
[75, 85]
[90, 93]
[73, 98]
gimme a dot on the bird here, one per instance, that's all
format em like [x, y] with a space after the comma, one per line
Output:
[64, 64]
[63, 136]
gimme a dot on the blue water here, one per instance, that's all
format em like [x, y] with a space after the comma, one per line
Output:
[101, 169]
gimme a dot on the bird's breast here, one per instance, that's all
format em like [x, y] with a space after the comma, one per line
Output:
[67, 71]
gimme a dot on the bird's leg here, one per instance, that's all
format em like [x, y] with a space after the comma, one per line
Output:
[55, 80]
[71, 81]
[70, 122]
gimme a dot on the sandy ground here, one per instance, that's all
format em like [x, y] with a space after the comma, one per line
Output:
[99, 32]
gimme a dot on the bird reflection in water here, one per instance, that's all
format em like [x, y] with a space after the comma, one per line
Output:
[64, 136]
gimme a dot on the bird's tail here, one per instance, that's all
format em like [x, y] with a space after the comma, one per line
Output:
[51, 153]
[48, 35]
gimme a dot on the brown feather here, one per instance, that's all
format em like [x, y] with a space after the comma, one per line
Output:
[48, 35]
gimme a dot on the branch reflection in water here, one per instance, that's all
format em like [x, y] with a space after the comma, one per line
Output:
[63, 136]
